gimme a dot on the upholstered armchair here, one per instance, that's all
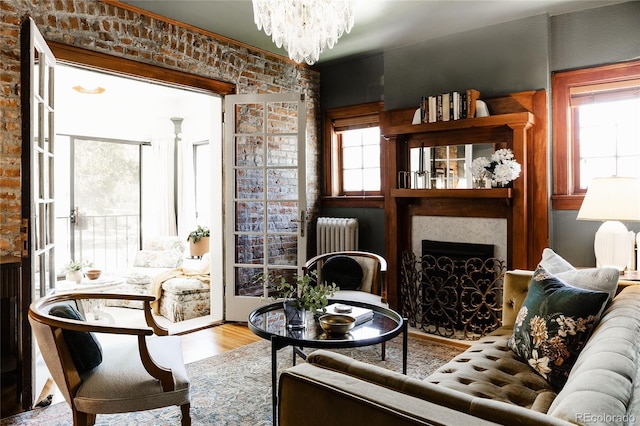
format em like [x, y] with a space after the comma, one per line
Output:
[129, 369]
[360, 275]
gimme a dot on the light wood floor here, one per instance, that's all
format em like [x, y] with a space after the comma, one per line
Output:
[215, 340]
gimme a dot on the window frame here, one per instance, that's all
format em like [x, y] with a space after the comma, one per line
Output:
[566, 175]
[345, 118]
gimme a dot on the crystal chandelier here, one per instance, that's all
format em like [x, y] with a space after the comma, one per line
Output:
[304, 27]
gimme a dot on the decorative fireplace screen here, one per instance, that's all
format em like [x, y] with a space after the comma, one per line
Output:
[454, 298]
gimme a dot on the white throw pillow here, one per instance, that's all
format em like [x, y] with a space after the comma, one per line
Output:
[596, 279]
[553, 263]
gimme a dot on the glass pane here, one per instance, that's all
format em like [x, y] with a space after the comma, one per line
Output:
[249, 217]
[249, 151]
[352, 138]
[276, 275]
[282, 184]
[371, 179]
[629, 166]
[107, 196]
[371, 156]
[282, 217]
[282, 117]
[283, 250]
[371, 136]
[596, 167]
[249, 282]
[629, 139]
[282, 151]
[352, 180]
[249, 184]
[249, 249]
[249, 118]
[597, 141]
[352, 157]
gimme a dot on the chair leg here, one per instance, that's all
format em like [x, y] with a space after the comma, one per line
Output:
[384, 350]
[186, 415]
[83, 419]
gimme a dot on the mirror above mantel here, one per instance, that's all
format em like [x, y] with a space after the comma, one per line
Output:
[445, 167]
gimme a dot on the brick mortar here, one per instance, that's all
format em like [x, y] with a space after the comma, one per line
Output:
[105, 28]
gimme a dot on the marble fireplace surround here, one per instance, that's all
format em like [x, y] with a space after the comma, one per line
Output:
[460, 230]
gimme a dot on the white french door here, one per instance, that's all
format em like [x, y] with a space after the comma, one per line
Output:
[265, 195]
[38, 213]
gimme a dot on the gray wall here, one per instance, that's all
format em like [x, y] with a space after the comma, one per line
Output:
[510, 57]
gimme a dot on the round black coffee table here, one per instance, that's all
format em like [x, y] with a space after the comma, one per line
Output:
[269, 323]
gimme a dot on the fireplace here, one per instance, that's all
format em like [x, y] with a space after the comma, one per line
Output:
[454, 289]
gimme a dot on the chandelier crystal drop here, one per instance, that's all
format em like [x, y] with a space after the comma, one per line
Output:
[304, 27]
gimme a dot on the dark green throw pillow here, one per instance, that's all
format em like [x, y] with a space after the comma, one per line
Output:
[344, 271]
[84, 347]
[554, 324]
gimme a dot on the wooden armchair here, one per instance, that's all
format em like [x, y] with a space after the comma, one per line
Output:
[141, 372]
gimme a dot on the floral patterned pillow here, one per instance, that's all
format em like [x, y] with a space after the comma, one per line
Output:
[554, 324]
[158, 258]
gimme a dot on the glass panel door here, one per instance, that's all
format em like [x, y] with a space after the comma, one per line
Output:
[265, 187]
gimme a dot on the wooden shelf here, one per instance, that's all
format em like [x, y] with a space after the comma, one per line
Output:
[453, 193]
[517, 118]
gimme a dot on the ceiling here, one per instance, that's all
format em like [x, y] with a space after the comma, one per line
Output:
[379, 24]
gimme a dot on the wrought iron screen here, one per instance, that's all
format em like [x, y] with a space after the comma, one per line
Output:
[459, 299]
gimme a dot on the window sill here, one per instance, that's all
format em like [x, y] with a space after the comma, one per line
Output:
[566, 202]
[352, 201]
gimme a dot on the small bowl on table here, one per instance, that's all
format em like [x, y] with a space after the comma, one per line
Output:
[93, 274]
[337, 324]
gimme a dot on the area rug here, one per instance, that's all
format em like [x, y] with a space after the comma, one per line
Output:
[234, 388]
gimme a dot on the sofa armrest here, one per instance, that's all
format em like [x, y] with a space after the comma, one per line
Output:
[315, 396]
[515, 289]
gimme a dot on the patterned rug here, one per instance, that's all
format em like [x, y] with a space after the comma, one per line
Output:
[234, 388]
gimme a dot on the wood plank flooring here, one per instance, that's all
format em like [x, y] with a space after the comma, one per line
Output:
[215, 340]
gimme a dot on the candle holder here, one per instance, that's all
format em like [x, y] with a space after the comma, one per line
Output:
[421, 180]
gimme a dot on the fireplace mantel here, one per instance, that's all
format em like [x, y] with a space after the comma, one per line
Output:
[517, 121]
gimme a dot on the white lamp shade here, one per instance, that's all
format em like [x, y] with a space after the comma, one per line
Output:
[612, 198]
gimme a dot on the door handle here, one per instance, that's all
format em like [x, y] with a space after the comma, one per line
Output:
[302, 221]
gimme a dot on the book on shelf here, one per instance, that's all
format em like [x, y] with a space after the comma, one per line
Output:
[449, 106]
[360, 314]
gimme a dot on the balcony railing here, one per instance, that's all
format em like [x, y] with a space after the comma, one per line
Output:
[109, 242]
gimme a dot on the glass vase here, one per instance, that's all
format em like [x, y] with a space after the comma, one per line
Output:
[296, 317]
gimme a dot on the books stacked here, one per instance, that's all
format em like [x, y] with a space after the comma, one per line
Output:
[360, 314]
[449, 106]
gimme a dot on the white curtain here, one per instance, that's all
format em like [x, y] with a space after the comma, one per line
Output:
[160, 216]
[186, 188]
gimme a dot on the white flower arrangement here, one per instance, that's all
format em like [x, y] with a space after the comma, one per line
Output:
[501, 168]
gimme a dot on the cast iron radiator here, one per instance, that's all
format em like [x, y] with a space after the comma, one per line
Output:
[454, 298]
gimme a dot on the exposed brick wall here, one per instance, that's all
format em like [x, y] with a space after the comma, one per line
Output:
[105, 28]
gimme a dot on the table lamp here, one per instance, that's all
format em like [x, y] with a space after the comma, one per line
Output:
[612, 199]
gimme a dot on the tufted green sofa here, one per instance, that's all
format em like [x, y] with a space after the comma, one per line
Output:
[486, 384]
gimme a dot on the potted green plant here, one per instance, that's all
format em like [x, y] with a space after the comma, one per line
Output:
[73, 270]
[199, 241]
[302, 295]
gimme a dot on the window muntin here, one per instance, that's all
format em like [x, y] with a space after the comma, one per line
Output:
[353, 166]
[608, 140]
[577, 155]
[360, 152]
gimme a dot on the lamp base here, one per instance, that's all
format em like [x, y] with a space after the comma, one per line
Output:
[613, 245]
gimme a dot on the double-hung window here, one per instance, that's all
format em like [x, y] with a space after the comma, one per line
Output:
[596, 119]
[353, 166]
